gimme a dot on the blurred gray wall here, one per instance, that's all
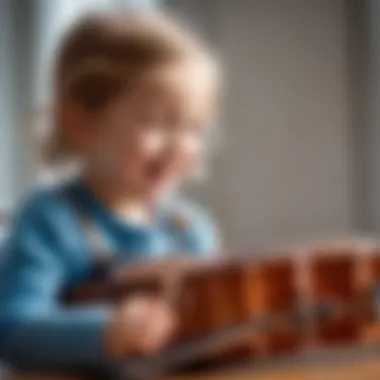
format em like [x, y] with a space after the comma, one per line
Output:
[287, 169]
[17, 43]
[6, 105]
[371, 150]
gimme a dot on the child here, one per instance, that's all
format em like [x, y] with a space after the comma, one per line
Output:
[133, 95]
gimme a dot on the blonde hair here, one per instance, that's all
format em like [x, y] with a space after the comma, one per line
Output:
[105, 54]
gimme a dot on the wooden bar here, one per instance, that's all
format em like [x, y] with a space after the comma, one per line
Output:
[332, 278]
[277, 293]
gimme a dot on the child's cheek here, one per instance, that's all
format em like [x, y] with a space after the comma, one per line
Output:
[131, 154]
[191, 152]
[112, 153]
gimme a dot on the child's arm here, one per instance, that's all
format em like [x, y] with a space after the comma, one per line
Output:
[37, 332]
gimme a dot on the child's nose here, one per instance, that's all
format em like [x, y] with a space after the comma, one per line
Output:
[174, 146]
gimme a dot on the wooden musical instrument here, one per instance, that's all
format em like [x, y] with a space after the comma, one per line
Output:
[254, 306]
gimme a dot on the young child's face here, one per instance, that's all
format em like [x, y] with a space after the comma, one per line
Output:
[149, 140]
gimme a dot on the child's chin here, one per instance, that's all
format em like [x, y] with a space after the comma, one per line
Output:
[160, 191]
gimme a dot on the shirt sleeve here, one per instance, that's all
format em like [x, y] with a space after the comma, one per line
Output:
[201, 236]
[36, 330]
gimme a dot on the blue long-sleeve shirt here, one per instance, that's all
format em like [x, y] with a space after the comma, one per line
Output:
[47, 252]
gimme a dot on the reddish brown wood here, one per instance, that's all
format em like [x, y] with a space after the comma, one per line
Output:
[217, 294]
[333, 279]
[193, 306]
[279, 296]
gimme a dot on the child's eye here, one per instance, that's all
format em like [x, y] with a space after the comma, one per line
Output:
[192, 136]
[197, 130]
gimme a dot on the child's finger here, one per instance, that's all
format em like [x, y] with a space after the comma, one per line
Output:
[159, 329]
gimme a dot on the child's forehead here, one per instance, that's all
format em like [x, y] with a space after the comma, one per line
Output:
[185, 88]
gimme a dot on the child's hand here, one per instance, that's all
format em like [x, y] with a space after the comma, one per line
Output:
[140, 325]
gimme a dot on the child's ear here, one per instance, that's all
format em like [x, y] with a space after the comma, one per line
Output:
[76, 123]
